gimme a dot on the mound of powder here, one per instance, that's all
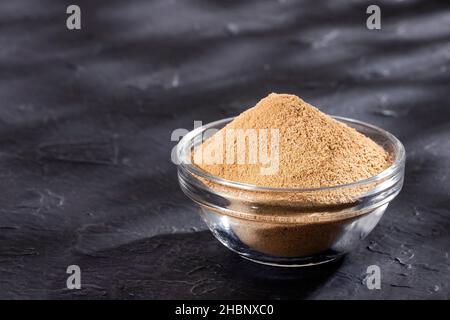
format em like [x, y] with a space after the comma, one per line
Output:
[315, 150]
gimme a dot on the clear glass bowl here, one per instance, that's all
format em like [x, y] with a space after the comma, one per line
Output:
[291, 227]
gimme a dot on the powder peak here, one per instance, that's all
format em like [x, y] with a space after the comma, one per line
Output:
[312, 149]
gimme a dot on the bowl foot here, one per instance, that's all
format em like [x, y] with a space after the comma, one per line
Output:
[293, 262]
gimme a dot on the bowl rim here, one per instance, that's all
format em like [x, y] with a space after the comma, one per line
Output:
[398, 153]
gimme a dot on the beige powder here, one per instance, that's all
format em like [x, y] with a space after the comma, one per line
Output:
[314, 151]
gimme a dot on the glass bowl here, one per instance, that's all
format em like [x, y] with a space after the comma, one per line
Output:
[291, 227]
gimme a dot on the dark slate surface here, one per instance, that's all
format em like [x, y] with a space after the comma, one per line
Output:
[86, 119]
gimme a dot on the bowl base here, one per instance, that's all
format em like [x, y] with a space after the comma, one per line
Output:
[295, 263]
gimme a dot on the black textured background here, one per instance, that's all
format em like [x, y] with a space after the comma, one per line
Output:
[86, 118]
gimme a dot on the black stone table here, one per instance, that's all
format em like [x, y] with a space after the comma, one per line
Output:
[85, 139]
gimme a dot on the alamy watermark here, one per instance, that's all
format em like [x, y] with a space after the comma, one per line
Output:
[232, 146]
[373, 277]
[73, 21]
[373, 22]
[74, 280]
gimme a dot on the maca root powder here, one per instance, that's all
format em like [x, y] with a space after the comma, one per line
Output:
[304, 148]
[314, 149]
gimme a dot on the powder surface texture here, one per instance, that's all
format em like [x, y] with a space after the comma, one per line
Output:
[315, 150]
